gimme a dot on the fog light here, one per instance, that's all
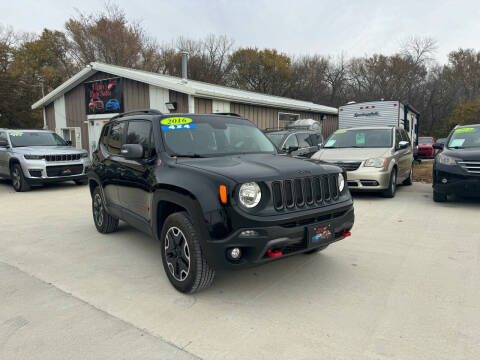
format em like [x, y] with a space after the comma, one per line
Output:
[444, 181]
[235, 253]
[249, 233]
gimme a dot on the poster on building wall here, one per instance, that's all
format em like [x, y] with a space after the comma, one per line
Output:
[104, 96]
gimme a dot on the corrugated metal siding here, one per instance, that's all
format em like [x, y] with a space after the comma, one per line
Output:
[50, 116]
[181, 99]
[267, 117]
[383, 113]
[136, 95]
[329, 125]
[203, 106]
[76, 113]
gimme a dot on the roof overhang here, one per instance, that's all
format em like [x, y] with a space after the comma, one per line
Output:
[189, 87]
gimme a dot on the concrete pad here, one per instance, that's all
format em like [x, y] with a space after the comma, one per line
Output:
[404, 286]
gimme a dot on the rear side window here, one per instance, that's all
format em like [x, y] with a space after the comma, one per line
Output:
[115, 140]
[140, 132]
[303, 140]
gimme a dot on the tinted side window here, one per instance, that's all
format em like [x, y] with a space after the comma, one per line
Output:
[104, 138]
[398, 138]
[291, 141]
[405, 136]
[303, 140]
[115, 141]
[140, 132]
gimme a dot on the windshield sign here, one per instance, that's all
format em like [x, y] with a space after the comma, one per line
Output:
[370, 138]
[465, 138]
[30, 138]
[204, 137]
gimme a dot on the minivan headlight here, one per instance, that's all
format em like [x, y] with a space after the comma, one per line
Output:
[377, 163]
[250, 194]
[341, 182]
[33, 157]
[446, 160]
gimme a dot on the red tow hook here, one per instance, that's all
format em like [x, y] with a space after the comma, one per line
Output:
[346, 233]
[274, 254]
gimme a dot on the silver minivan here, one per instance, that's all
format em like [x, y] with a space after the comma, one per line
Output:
[375, 158]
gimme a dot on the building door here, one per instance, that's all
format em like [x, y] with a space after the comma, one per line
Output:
[94, 130]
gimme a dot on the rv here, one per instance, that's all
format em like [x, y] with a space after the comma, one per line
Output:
[381, 113]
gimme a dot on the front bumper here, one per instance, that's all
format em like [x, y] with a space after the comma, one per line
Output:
[290, 238]
[368, 179]
[454, 180]
[38, 172]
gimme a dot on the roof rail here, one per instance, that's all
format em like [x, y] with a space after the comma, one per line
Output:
[227, 113]
[140, 111]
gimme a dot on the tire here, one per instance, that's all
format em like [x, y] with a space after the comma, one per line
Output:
[439, 196]
[81, 182]
[313, 251]
[392, 186]
[104, 222]
[409, 180]
[18, 179]
[183, 260]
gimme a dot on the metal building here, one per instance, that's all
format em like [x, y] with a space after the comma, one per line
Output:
[78, 108]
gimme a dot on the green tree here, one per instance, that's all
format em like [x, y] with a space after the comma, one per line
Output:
[465, 113]
[265, 71]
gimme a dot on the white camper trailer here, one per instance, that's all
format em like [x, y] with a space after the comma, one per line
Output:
[380, 113]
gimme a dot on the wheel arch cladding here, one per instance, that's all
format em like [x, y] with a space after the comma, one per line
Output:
[12, 162]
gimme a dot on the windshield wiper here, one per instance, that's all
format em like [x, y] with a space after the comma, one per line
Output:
[456, 147]
[187, 155]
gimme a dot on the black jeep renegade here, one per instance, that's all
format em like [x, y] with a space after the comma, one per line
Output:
[214, 192]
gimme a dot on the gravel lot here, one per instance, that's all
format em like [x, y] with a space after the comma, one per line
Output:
[406, 285]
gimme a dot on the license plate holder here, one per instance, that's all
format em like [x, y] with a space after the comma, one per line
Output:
[319, 234]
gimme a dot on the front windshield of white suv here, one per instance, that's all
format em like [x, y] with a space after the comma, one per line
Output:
[32, 138]
[466, 137]
[362, 138]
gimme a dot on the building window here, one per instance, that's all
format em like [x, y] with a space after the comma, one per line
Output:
[284, 119]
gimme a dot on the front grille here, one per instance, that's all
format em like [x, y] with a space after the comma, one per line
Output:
[64, 170]
[63, 157]
[348, 165]
[305, 192]
[472, 167]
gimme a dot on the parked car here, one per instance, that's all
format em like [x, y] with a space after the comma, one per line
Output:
[112, 105]
[35, 157]
[375, 158]
[302, 138]
[425, 146]
[456, 169]
[96, 105]
[214, 191]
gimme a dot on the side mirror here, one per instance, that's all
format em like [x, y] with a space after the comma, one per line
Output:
[403, 145]
[291, 149]
[438, 146]
[132, 151]
[4, 143]
[320, 145]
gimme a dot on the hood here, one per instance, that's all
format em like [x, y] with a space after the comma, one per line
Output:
[254, 167]
[351, 154]
[472, 154]
[48, 150]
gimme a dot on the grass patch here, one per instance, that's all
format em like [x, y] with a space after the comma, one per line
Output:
[423, 172]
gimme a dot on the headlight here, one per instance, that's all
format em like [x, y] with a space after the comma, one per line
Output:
[250, 194]
[446, 160]
[341, 182]
[378, 163]
[33, 157]
[84, 155]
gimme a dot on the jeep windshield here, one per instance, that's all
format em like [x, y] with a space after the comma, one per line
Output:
[213, 136]
[466, 137]
[31, 138]
[362, 138]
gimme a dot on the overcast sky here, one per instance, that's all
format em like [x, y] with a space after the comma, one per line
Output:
[295, 27]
